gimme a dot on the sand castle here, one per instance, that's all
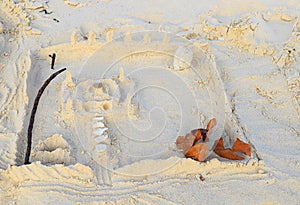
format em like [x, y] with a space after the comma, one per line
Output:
[106, 129]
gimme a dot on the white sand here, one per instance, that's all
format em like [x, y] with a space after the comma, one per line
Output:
[139, 74]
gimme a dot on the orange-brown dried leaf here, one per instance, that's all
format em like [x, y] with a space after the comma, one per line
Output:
[198, 152]
[240, 146]
[211, 124]
[199, 134]
[228, 154]
[220, 144]
[185, 143]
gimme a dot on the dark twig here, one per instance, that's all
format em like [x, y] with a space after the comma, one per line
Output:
[53, 57]
[33, 112]
[46, 12]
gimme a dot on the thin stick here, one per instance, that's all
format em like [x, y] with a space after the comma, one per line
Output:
[53, 57]
[33, 112]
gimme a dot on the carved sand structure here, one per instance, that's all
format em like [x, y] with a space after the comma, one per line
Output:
[105, 130]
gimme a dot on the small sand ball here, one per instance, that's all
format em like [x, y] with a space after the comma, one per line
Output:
[100, 147]
[182, 58]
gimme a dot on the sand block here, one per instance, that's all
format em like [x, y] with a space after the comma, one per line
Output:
[101, 138]
[99, 125]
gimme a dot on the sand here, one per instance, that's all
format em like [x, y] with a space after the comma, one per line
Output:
[140, 74]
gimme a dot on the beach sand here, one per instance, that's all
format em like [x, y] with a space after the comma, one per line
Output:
[140, 74]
